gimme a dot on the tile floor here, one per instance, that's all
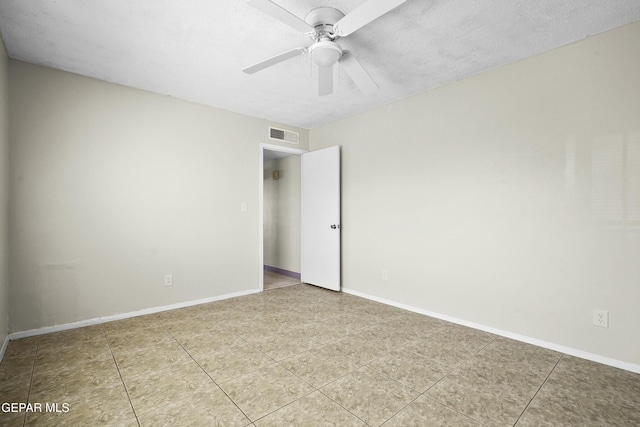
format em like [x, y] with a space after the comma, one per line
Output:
[275, 280]
[302, 356]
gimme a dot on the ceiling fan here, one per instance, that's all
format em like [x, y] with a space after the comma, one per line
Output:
[325, 25]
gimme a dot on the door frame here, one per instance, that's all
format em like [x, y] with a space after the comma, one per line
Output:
[281, 149]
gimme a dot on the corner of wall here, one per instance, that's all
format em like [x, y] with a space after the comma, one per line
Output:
[4, 178]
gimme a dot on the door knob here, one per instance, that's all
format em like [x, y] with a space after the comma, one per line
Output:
[334, 226]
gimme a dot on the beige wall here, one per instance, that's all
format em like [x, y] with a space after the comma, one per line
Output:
[282, 214]
[4, 177]
[485, 199]
[112, 188]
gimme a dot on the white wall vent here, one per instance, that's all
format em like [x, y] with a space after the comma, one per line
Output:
[284, 135]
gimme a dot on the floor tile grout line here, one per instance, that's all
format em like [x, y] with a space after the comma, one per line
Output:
[333, 380]
[271, 364]
[284, 406]
[470, 359]
[210, 377]
[203, 370]
[437, 401]
[457, 411]
[539, 388]
[124, 385]
[482, 423]
[33, 369]
[401, 409]
[319, 389]
[279, 362]
[453, 368]
[342, 406]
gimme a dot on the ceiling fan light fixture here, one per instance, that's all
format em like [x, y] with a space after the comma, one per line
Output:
[325, 53]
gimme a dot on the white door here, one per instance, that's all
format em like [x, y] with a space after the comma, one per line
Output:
[320, 219]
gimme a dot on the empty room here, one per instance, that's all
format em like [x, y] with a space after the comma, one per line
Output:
[300, 213]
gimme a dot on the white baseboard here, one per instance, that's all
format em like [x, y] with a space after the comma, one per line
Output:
[105, 319]
[4, 347]
[529, 340]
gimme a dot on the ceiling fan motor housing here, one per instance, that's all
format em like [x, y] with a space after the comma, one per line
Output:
[321, 17]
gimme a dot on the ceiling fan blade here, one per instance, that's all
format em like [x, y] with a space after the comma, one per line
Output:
[275, 60]
[280, 14]
[363, 14]
[325, 80]
[358, 74]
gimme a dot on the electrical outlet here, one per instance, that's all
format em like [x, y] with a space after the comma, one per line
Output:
[168, 280]
[601, 318]
[385, 275]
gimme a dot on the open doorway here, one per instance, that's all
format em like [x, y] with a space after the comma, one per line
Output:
[279, 216]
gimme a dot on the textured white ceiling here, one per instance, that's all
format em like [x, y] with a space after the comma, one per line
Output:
[196, 49]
